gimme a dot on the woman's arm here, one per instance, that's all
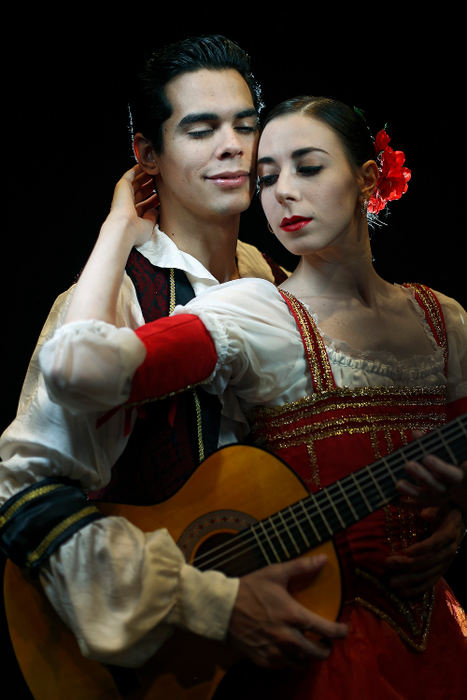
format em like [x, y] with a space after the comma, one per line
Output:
[130, 222]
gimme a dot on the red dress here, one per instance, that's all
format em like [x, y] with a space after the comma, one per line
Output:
[395, 648]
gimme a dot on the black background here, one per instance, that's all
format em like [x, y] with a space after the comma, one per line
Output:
[67, 141]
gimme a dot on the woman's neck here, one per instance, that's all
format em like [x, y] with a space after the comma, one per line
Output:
[338, 272]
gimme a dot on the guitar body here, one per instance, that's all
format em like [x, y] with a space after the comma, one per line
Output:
[229, 491]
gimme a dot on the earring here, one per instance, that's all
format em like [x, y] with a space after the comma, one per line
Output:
[364, 207]
[270, 229]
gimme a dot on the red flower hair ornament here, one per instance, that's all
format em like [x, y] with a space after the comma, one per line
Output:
[393, 177]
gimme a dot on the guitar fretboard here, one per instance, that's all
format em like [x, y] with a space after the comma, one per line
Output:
[318, 517]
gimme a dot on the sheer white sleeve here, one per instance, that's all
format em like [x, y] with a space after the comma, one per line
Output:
[88, 365]
[456, 326]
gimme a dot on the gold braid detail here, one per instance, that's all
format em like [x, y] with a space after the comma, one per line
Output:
[403, 609]
[199, 426]
[58, 529]
[172, 299]
[316, 354]
[430, 306]
[197, 404]
[30, 496]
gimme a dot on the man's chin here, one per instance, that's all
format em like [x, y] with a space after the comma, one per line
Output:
[237, 203]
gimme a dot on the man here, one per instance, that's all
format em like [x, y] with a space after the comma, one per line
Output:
[122, 591]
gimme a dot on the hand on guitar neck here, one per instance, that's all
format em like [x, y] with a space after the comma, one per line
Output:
[436, 482]
[443, 488]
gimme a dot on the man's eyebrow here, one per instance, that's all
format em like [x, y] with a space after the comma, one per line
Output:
[295, 154]
[251, 112]
[196, 117]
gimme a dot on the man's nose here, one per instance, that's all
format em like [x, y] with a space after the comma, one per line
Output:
[230, 143]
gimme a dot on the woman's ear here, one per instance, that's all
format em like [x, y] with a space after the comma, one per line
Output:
[368, 179]
[145, 154]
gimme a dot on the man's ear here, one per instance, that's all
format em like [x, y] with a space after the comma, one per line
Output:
[145, 154]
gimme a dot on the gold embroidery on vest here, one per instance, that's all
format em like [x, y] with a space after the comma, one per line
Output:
[418, 629]
[389, 442]
[199, 426]
[430, 307]
[375, 444]
[318, 362]
[310, 446]
[172, 300]
[388, 396]
[367, 424]
[197, 405]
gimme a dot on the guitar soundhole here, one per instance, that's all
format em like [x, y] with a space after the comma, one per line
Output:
[207, 550]
[212, 541]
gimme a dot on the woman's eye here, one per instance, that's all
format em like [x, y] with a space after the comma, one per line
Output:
[303, 170]
[309, 170]
[267, 180]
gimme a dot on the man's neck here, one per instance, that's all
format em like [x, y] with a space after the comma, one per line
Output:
[213, 243]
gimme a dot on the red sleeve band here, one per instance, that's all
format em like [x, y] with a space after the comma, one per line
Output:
[179, 353]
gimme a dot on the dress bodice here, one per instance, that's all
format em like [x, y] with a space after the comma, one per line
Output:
[337, 430]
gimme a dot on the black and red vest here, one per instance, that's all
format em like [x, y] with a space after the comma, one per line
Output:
[172, 436]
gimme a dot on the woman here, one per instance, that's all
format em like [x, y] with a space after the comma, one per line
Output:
[331, 371]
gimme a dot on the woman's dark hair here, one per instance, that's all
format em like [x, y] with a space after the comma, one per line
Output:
[346, 122]
[150, 108]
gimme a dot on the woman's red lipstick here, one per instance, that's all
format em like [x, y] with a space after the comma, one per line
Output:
[295, 223]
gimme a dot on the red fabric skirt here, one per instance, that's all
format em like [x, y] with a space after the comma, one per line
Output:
[372, 663]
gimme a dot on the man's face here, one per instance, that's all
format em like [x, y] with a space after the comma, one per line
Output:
[206, 170]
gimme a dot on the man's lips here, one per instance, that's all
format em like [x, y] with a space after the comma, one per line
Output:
[295, 223]
[230, 179]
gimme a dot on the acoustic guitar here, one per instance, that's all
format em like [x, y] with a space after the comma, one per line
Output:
[242, 509]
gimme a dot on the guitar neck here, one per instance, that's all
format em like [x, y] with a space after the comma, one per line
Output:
[318, 517]
[364, 491]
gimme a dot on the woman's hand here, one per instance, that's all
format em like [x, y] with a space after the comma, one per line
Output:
[422, 564]
[134, 205]
[443, 488]
[436, 482]
[130, 222]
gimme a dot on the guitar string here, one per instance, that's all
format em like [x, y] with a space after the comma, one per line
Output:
[240, 540]
[296, 522]
[312, 498]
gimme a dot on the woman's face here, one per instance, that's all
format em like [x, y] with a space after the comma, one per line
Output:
[309, 190]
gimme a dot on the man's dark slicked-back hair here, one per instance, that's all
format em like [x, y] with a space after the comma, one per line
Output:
[151, 107]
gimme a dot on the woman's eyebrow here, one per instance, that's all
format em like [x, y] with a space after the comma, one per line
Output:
[298, 153]
[304, 151]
